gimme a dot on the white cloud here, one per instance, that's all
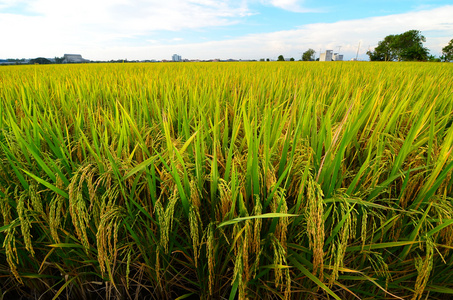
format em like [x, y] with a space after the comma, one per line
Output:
[141, 15]
[291, 5]
[9, 3]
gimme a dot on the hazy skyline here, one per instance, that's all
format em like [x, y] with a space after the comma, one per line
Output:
[204, 29]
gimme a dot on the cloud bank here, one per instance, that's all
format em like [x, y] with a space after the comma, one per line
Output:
[102, 30]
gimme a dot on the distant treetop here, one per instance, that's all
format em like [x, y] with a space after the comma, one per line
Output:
[447, 52]
[407, 46]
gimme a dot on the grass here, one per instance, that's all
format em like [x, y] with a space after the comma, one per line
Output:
[239, 180]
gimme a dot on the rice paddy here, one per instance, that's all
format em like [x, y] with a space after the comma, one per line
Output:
[227, 181]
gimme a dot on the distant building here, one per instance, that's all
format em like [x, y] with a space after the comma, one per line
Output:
[176, 57]
[73, 58]
[14, 61]
[337, 57]
[327, 56]
[330, 56]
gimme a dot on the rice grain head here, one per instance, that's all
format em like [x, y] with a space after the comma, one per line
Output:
[9, 244]
[315, 225]
[194, 224]
[225, 198]
[5, 208]
[24, 219]
[79, 212]
[424, 267]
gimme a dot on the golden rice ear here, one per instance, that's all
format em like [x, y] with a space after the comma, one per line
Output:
[107, 233]
[194, 194]
[256, 244]
[364, 226]
[55, 212]
[283, 222]
[12, 258]
[315, 225]
[282, 275]
[247, 234]
[36, 201]
[56, 208]
[77, 208]
[225, 198]
[163, 226]
[270, 178]
[165, 218]
[237, 276]
[340, 244]
[424, 267]
[25, 223]
[194, 227]
[5, 207]
[210, 244]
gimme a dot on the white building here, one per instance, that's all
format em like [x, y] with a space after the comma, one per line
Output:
[176, 57]
[338, 57]
[327, 56]
[73, 58]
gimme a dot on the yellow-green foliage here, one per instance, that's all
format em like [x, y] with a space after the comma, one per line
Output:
[249, 180]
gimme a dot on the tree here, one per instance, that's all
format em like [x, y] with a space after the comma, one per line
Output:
[280, 58]
[291, 59]
[40, 60]
[407, 46]
[308, 55]
[383, 51]
[59, 60]
[447, 52]
[432, 58]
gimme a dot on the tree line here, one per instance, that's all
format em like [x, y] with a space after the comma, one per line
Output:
[407, 46]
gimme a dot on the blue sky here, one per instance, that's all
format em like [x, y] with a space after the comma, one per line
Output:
[204, 29]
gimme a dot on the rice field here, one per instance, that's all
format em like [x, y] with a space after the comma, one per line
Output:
[261, 180]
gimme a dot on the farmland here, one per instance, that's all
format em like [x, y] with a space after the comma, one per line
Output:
[249, 180]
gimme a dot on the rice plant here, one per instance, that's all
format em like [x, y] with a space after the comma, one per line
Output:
[227, 180]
